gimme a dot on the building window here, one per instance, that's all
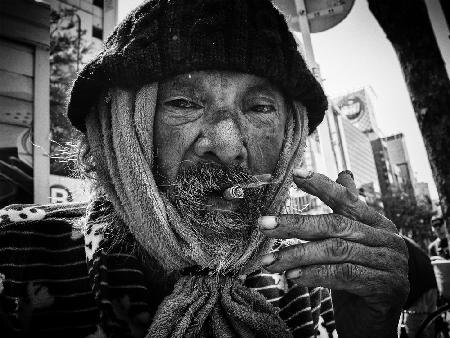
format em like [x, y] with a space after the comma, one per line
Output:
[98, 3]
[97, 32]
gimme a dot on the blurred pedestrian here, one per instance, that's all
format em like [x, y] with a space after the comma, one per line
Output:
[439, 249]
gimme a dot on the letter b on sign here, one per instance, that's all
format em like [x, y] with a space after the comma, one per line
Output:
[60, 194]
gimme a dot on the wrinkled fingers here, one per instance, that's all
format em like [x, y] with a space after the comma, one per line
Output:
[349, 277]
[319, 227]
[342, 200]
[334, 251]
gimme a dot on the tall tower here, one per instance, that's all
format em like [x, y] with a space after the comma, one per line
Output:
[398, 155]
[358, 108]
[351, 150]
[388, 174]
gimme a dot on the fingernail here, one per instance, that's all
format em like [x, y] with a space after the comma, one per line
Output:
[268, 259]
[267, 222]
[291, 274]
[302, 173]
[347, 172]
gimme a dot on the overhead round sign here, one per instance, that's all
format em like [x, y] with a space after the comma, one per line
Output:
[353, 107]
[322, 14]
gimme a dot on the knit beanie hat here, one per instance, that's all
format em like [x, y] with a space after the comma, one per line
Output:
[164, 38]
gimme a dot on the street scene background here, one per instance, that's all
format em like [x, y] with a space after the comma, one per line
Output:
[370, 128]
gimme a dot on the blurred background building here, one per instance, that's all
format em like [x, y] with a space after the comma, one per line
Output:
[357, 107]
[96, 19]
[78, 28]
[33, 124]
[398, 156]
[24, 101]
[356, 124]
[388, 174]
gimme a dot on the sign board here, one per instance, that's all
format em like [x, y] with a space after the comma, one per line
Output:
[65, 189]
[358, 109]
[354, 108]
[322, 14]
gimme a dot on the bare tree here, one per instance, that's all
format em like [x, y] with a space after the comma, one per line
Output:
[408, 27]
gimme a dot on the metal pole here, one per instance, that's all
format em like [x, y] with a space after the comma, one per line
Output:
[306, 34]
[324, 143]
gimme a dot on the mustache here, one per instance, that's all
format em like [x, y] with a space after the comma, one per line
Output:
[205, 178]
[195, 184]
[192, 189]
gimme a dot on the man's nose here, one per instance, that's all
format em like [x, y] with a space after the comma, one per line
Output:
[222, 143]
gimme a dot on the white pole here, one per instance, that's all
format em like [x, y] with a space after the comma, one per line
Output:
[325, 146]
[306, 34]
[41, 126]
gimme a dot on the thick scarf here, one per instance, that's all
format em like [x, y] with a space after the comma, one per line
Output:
[120, 134]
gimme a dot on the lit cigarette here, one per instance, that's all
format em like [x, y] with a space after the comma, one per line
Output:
[235, 192]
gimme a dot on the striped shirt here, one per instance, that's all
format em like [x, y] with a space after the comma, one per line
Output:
[47, 288]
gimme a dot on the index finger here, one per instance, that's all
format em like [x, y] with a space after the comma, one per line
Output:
[341, 200]
[326, 226]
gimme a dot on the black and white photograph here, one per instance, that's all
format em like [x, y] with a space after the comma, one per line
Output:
[224, 168]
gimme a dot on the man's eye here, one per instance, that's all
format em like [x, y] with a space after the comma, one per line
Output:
[263, 108]
[183, 103]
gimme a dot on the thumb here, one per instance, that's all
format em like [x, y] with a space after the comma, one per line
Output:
[346, 179]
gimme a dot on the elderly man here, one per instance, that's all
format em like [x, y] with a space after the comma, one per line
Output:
[187, 100]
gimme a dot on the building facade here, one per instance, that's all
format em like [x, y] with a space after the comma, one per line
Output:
[391, 158]
[92, 21]
[351, 150]
[359, 159]
[24, 101]
[96, 17]
[351, 124]
[357, 107]
[388, 175]
[398, 155]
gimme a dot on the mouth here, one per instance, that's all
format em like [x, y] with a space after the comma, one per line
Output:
[230, 198]
[216, 202]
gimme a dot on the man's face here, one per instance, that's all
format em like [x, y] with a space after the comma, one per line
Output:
[439, 229]
[222, 118]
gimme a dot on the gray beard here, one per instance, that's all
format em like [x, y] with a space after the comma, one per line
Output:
[189, 194]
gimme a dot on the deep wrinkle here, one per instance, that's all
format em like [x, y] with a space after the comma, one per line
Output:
[234, 119]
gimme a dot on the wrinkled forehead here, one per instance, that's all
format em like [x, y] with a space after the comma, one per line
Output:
[216, 80]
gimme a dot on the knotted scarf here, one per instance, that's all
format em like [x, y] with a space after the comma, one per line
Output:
[216, 303]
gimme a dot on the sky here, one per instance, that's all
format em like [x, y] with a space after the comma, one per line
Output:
[356, 54]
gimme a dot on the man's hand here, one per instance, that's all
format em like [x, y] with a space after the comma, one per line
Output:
[355, 251]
